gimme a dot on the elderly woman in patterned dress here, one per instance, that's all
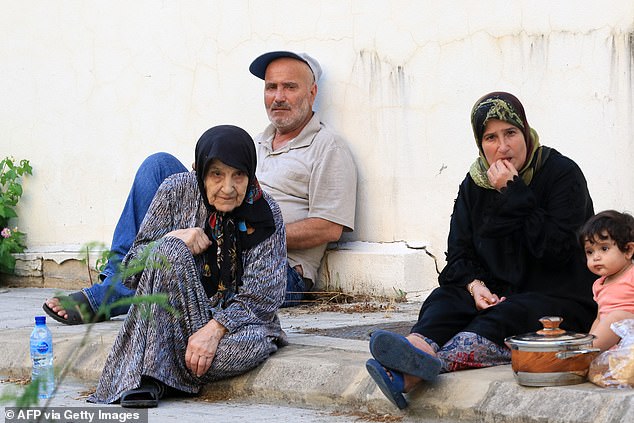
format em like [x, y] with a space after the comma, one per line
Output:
[223, 240]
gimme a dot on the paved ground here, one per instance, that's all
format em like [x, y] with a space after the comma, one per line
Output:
[319, 377]
[70, 398]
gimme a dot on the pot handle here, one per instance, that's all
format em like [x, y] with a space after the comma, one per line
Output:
[569, 354]
[551, 326]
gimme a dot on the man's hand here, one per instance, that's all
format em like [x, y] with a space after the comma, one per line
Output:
[500, 173]
[201, 347]
[194, 238]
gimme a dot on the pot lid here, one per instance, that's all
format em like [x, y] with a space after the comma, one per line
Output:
[550, 335]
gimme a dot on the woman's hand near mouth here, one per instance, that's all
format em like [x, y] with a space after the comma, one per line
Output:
[500, 173]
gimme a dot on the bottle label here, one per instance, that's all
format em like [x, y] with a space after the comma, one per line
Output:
[42, 347]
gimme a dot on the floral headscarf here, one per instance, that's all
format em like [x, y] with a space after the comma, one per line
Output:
[505, 107]
[245, 226]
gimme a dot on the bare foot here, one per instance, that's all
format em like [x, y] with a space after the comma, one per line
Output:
[55, 305]
[421, 344]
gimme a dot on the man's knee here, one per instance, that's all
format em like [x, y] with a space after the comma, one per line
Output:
[160, 157]
[161, 165]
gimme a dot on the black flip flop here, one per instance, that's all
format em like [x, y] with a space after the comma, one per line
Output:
[145, 396]
[74, 314]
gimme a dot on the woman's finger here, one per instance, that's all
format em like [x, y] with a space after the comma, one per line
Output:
[188, 358]
[201, 242]
[203, 364]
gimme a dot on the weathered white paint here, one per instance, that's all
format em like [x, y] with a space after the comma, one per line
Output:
[89, 88]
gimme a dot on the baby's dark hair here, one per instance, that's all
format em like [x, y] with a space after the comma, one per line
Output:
[608, 224]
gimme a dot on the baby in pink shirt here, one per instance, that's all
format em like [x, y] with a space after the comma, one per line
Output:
[608, 241]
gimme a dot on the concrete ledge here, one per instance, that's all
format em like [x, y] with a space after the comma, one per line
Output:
[326, 372]
[396, 270]
[317, 377]
[47, 273]
[510, 402]
[88, 351]
[53, 267]
[378, 269]
[303, 375]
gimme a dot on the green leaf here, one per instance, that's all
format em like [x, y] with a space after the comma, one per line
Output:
[7, 212]
[7, 263]
[11, 174]
[26, 167]
[16, 190]
[10, 192]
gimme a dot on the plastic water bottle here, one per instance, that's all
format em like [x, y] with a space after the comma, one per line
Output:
[42, 357]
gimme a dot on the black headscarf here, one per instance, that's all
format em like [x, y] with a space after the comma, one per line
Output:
[245, 226]
[505, 107]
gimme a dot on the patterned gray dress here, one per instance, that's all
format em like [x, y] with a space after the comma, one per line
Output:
[155, 345]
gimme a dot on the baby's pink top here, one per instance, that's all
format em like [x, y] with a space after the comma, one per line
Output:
[617, 295]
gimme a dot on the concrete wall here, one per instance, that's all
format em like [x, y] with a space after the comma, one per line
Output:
[89, 88]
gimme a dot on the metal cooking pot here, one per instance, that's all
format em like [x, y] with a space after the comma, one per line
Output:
[551, 356]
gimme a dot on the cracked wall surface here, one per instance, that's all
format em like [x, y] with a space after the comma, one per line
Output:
[88, 89]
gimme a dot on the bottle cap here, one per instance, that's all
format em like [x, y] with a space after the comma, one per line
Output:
[40, 320]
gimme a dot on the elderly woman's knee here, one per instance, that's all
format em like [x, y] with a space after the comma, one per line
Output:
[243, 349]
[167, 253]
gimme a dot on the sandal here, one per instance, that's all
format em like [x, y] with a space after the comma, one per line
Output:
[145, 396]
[78, 308]
[392, 387]
[394, 351]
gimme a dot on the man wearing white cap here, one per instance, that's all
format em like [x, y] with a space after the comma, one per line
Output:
[305, 167]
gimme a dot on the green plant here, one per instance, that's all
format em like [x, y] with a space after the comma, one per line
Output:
[401, 296]
[122, 272]
[11, 240]
[28, 396]
[104, 254]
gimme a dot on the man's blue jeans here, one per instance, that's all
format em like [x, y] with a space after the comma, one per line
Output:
[152, 172]
[295, 288]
